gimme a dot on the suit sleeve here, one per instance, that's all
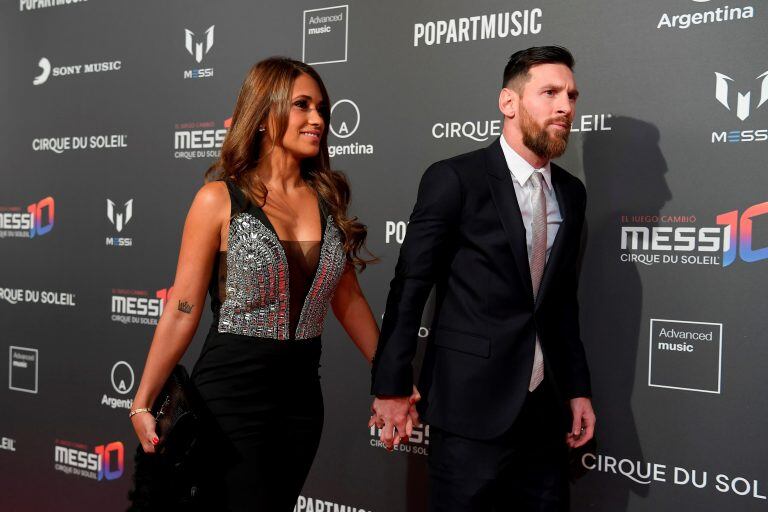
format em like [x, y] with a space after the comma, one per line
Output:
[578, 377]
[434, 219]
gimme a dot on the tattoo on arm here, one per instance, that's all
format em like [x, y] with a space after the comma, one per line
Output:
[185, 307]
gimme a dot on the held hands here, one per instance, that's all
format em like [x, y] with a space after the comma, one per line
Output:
[144, 425]
[583, 428]
[395, 416]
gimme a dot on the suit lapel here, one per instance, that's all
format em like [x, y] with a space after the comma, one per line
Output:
[564, 203]
[504, 198]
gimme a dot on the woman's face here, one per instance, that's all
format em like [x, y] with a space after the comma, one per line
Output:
[305, 122]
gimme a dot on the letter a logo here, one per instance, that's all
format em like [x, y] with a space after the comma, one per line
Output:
[742, 99]
[198, 49]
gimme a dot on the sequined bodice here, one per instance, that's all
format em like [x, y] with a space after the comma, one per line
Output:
[268, 288]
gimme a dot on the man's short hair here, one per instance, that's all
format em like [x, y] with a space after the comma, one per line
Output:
[521, 62]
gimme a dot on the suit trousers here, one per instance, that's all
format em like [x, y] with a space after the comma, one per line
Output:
[525, 469]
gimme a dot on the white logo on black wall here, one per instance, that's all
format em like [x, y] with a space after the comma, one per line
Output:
[31, 5]
[685, 355]
[122, 378]
[482, 131]
[48, 71]
[394, 231]
[119, 216]
[744, 102]
[21, 296]
[309, 504]
[199, 139]
[6, 443]
[198, 45]
[138, 306]
[743, 99]
[62, 144]
[474, 28]
[706, 16]
[198, 48]
[345, 120]
[654, 473]
[22, 369]
[324, 35]
[45, 71]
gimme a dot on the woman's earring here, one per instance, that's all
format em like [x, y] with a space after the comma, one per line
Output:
[261, 128]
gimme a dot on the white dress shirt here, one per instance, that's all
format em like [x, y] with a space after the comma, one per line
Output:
[521, 172]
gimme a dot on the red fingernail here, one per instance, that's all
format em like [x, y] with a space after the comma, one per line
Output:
[155, 440]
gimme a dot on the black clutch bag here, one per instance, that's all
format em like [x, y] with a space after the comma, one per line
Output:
[177, 410]
[169, 479]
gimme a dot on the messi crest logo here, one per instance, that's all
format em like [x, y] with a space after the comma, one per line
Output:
[743, 100]
[195, 48]
[119, 219]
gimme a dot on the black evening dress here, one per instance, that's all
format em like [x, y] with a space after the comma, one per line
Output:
[257, 373]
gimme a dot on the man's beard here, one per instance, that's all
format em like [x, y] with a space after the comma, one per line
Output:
[538, 140]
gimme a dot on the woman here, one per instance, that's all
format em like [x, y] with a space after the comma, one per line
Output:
[271, 241]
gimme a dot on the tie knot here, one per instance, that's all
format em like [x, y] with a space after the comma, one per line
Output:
[538, 179]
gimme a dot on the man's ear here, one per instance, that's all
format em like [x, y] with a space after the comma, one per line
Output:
[508, 102]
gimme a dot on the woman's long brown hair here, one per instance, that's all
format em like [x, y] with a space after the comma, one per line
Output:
[265, 100]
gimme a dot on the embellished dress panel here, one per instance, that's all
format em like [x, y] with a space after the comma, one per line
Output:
[257, 300]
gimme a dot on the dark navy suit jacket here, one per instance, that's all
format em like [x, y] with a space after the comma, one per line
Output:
[466, 237]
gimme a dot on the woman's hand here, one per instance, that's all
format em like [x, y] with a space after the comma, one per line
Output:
[144, 425]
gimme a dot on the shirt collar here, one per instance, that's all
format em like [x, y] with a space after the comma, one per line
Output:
[521, 170]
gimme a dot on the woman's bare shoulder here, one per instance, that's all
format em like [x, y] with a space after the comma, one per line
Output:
[211, 206]
[213, 194]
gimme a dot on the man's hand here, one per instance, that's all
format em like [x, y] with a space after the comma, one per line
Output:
[583, 428]
[412, 412]
[392, 415]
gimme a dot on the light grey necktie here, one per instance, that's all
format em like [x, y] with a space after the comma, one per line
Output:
[537, 260]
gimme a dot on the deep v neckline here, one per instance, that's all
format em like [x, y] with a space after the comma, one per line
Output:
[323, 223]
[262, 217]
[258, 285]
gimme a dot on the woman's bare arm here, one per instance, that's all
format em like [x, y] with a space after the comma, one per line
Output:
[183, 308]
[353, 312]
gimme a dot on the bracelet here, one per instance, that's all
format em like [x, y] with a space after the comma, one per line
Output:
[137, 411]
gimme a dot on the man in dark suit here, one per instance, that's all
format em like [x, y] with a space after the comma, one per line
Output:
[505, 384]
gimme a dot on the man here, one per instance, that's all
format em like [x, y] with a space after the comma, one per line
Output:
[504, 382]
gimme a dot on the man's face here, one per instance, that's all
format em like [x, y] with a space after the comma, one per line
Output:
[546, 109]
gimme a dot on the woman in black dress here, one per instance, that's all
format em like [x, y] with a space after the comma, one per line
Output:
[269, 238]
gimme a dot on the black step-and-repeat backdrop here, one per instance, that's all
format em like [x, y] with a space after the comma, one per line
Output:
[112, 110]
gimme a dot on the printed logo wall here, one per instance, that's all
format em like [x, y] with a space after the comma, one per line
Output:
[686, 355]
[742, 105]
[102, 462]
[119, 218]
[653, 473]
[33, 220]
[345, 120]
[198, 47]
[678, 241]
[325, 35]
[71, 70]
[122, 379]
[22, 369]
[138, 306]
[84, 282]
